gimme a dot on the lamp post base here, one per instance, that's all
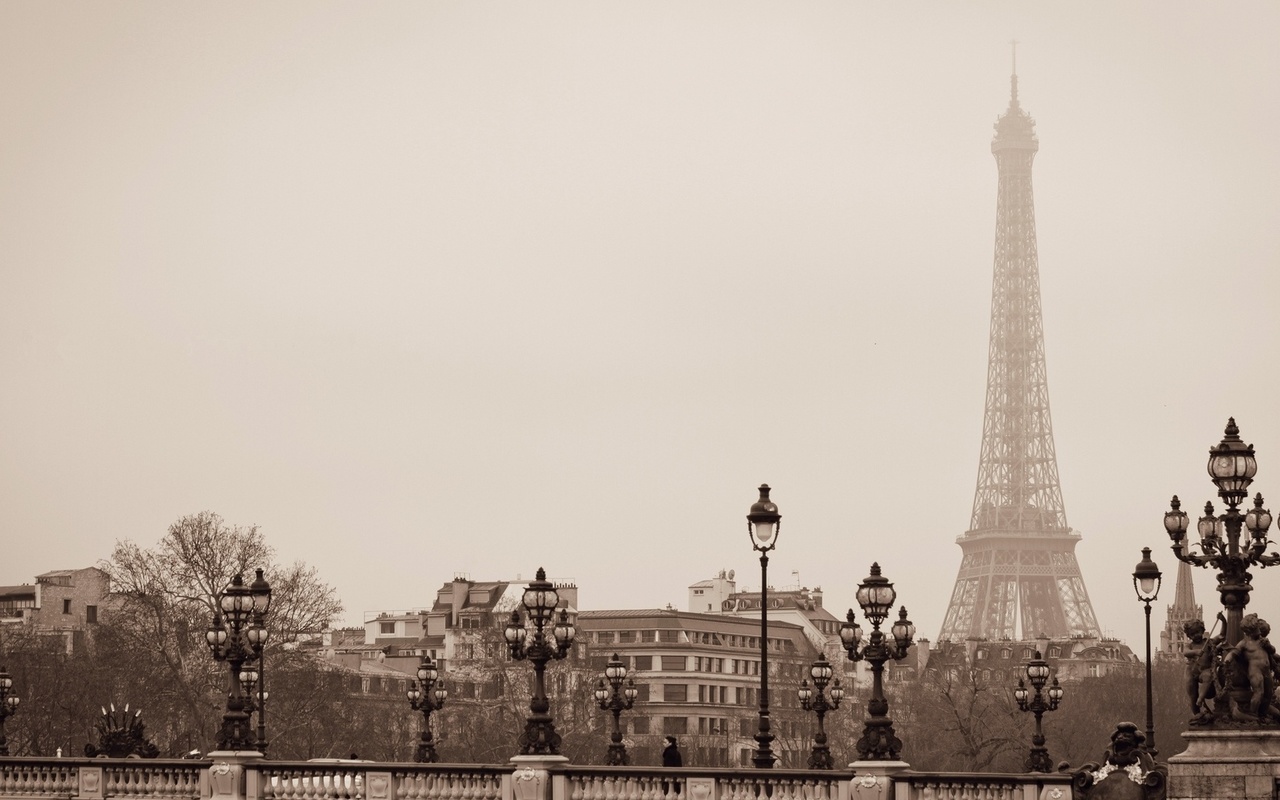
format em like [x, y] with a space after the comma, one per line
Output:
[426, 753]
[763, 757]
[617, 756]
[1038, 760]
[820, 757]
[879, 741]
[539, 738]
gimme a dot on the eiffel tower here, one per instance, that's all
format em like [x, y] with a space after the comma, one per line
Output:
[1018, 578]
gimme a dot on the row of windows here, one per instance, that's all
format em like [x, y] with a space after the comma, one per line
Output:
[708, 726]
[692, 637]
[702, 693]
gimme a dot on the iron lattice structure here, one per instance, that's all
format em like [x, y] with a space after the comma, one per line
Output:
[1019, 578]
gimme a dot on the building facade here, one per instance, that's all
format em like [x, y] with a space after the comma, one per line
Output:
[64, 602]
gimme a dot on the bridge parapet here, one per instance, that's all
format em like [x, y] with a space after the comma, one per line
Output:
[99, 778]
[257, 779]
[981, 786]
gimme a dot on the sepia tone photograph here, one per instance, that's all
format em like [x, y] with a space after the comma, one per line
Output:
[645, 386]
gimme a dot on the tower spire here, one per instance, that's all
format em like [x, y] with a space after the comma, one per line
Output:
[1019, 573]
[1013, 76]
[1173, 639]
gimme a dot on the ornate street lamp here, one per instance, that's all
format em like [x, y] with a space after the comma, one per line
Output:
[237, 636]
[820, 702]
[616, 698]
[763, 523]
[875, 596]
[1231, 466]
[426, 697]
[1038, 674]
[546, 641]
[8, 707]
[1146, 582]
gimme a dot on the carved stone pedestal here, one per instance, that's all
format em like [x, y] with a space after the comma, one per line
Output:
[226, 778]
[873, 780]
[531, 779]
[1217, 764]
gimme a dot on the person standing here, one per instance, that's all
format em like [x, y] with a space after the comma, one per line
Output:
[671, 754]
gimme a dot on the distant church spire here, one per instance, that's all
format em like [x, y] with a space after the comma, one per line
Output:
[1173, 641]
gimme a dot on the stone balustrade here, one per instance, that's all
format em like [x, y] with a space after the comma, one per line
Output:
[234, 776]
[981, 786]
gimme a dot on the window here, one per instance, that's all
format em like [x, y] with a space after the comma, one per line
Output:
[675, 693]
[66, 605]
[648, 636]
[91, 614]
[626, 637]
[639, 724]
[642, 693]
[674, 663]
[675, 725]
[644, 662]
[386, 627]
[668, 636]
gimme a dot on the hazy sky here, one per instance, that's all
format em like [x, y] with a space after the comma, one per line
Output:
[425, 288]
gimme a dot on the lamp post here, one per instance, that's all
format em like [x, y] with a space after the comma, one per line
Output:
[875, 597]
[261, 589]
[236, 636]
[426, 697]
[1231, 466]
[8, 707]
[1038, 674]
[816, 700]
[546, 641]
[1146, 582]
[763, 523]
[616, 697]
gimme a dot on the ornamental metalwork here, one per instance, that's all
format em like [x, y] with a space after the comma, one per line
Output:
[549, 638]
[1230, 669]
[1019, 577]
[879, 742]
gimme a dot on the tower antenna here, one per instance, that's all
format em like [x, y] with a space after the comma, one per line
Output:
[1013, 78]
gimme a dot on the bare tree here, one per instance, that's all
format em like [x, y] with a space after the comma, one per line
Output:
[165, 598]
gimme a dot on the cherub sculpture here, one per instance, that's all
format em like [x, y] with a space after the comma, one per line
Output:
[1253, 662]
[1200, 655]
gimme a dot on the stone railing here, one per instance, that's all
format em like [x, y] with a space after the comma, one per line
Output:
[99, 778]
[981, 786]
[234, 777]
[654, 783]
[310, 780]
